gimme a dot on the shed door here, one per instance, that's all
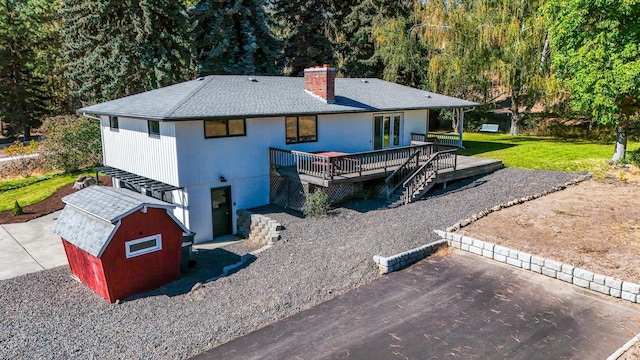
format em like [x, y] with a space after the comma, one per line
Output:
[221, 211]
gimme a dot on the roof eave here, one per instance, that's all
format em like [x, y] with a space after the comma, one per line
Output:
[264, 115]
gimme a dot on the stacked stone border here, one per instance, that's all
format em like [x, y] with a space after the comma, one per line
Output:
[404, 259]
[462, 223]
[573, 275]
[258, 227]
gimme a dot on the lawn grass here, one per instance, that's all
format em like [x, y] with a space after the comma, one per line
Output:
[541, 153]
[32, 190]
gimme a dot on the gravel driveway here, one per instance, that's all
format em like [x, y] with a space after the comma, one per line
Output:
[48, 315]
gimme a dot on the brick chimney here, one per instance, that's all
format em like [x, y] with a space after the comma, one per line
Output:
[320, 82]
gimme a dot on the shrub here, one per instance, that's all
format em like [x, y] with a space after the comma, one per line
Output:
[25, 160]
[72, 142]
[317, 203]
[17, 209]
[633, 157]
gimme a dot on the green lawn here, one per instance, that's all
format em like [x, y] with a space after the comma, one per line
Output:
[540, 153]
[32, 190]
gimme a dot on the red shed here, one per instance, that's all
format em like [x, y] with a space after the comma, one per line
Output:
[119, 242]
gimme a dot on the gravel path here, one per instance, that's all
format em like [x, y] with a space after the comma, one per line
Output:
[48, 315]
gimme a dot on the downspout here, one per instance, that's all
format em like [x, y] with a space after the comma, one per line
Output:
[104, 155]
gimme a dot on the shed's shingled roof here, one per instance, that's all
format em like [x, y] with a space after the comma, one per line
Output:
[219, 96]
[91, 216]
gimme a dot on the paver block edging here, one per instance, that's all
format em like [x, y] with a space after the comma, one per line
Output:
[564, 272]
[404, 259]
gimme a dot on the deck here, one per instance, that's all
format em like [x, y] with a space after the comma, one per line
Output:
[349, 168]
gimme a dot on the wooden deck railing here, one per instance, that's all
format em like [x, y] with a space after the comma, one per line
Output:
[327, 167]
[399, 175]
[439, 161]
[443, 139]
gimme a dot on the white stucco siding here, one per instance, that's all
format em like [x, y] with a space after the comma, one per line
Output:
[130, 148]
[245, 193]
[415, 121]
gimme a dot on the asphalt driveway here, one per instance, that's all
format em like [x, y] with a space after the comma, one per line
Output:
[460, 307]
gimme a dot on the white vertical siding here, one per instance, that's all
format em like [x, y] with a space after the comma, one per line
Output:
[130, 148]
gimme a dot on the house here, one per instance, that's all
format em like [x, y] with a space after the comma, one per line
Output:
[119, 242]
[217, 144]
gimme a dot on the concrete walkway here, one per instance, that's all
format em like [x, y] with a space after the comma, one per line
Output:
[30, 247]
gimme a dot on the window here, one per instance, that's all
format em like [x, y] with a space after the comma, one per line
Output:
[113, 123]
[224, 128]
[301, 129]
[153, 127]
[143, 246]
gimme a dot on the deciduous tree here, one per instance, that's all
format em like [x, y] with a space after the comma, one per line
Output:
[71, 142]
[596, 50]
[488, 47]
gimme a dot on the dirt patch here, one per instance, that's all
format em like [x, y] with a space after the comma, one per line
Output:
[47, 206]
[594, 225]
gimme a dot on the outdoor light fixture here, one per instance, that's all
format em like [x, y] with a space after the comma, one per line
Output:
[223, 179]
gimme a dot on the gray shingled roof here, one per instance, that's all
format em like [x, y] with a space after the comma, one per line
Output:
[219, 96]
[83, 230]
[90, 218]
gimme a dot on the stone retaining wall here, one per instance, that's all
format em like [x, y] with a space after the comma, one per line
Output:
[404, 259]
[557, 270]
[258, 227]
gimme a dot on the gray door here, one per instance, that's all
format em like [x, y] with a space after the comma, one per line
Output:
[221, 211]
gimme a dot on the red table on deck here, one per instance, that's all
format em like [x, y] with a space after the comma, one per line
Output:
[330, 154]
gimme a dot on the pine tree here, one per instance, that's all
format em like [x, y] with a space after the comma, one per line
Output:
[306, 28]
[23, 101]
[355, 43]
[117, 48]
[232, 37]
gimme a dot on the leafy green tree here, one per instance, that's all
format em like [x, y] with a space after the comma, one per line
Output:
[117, 48]
[596, 50]
[23, 99]
[488, 49]
[232, 37]
[402, 51]
[355, 45]
[71, 142]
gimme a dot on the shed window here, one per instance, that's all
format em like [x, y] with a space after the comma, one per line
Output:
[224, 128]
[154, 127]
[113, 122]
[301, 129]
[143, 246]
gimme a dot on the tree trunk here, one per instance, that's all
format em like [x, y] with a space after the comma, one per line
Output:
[515, 118]
[621, 145]
[515, 115]
[27, 133]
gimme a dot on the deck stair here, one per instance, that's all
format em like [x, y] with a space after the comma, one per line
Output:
[417, 180]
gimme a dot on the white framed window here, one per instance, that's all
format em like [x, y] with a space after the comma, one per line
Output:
[143, 245]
